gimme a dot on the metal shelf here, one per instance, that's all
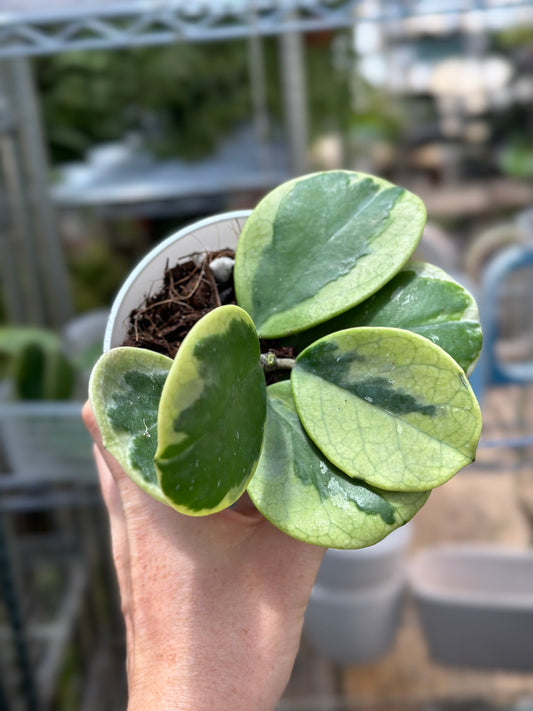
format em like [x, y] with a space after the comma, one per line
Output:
[27, 29]
[136, 181]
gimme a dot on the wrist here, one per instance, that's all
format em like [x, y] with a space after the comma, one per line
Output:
[177, 685]
[243, 666]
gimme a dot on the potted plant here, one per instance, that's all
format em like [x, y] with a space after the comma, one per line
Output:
[40, 426]
[37, 366]
[367, 406]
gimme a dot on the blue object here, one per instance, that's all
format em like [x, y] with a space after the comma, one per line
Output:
[500, 268]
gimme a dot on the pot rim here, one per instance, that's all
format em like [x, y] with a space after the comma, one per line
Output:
[443, 592]
[153, 254]
[382, 591]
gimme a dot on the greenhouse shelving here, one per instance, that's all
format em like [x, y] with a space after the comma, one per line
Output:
[26, 28]
[29, 28]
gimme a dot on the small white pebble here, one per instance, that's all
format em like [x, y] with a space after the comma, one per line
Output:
[222, 268]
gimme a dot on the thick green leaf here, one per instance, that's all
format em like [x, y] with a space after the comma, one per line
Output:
[307, 497]
[212, 413]
[124, 391]
[420, 298]
[387, 406]
[320, 244]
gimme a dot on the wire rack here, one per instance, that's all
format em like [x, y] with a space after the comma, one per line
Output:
[27, 28]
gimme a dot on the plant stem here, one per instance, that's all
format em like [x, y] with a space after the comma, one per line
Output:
[270, 362]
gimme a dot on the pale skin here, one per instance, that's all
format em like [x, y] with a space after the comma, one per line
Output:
[213, 606]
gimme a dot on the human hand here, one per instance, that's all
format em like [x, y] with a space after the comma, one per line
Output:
[213, 606]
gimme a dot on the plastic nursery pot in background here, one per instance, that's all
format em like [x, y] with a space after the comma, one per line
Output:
[46, 441]
[356, 602]
[41, 397]
[353, 570]
[83, 339]
[476, 605]
[214, 233]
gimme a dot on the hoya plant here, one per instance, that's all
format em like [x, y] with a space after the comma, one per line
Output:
[373, 411]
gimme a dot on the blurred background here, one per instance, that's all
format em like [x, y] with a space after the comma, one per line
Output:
[121, 122]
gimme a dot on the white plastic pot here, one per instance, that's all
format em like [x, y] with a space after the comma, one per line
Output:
[355, 605]
[46, 441]
[354, 627]
[476, 605]
[214, 233]
[353, 570]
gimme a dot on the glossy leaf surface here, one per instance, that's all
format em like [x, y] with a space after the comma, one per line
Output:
[421, 298]
[307, 497]
[124, 390]
[387, 406]
[317, 245]
[212, 413]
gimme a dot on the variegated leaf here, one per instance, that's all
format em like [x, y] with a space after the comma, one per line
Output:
[421, 298]
[307, 497]
[124, 391]
[211, 415]
[318, 245]
[387, 406]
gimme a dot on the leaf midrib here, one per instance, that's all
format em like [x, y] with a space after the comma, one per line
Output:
[384, 412]
[318, 248]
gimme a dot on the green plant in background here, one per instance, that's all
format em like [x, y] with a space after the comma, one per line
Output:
[41, 374]
[183, 99]
[516, 157]
[374, 411]
[35, 364]
[94, 97]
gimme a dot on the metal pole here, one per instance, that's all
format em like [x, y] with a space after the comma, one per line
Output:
[256, 67]
[18, 277]
[10, 594]
[34, 218]
[19, 266]
[293, 82]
